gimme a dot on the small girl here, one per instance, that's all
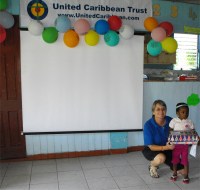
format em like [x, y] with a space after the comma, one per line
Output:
[180, 152]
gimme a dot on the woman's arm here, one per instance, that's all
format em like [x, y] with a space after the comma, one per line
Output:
[161, 148]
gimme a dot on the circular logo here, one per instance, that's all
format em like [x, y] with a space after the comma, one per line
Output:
[37, 9]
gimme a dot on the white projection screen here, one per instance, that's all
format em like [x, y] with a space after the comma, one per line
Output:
[81, 89]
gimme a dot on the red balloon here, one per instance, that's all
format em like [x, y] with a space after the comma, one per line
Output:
[2, 34]
[168, 27]
[114, 22]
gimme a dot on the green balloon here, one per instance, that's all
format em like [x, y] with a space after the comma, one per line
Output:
[50, 34]
[3, 4]
[193, 100]
[111, 38]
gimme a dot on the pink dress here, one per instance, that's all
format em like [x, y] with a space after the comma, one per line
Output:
[180, 152]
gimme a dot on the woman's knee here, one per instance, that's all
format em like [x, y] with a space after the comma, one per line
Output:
[160, 158]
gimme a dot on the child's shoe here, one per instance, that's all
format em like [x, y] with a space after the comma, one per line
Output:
[186, 180]
[173, 177]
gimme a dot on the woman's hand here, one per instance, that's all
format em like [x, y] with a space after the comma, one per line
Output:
[169, 146]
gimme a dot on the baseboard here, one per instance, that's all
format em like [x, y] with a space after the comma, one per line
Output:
[76, 154]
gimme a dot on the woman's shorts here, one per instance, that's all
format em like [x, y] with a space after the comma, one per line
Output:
[150, 155]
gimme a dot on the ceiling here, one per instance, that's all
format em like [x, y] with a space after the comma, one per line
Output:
[187, 1]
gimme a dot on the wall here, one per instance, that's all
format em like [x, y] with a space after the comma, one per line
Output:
[170, 92]
[42, 144]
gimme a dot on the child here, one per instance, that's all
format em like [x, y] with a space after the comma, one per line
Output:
[180, 152]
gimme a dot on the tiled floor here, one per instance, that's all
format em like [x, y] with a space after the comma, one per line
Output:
[116, 172]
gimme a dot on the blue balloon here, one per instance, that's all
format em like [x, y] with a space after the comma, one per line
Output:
[111, 38]
[62, 23]
[154, 48]
[101, 27]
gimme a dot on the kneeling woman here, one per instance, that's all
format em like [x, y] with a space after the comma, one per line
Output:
[156, 131]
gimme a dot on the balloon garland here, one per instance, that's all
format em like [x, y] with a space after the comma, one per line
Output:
[160, 34]
[6, 20]
[111, 29]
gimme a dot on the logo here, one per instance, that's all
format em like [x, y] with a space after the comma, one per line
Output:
[37, 9]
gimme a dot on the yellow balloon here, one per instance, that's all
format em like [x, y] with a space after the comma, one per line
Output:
[92, 38]
[169, 45]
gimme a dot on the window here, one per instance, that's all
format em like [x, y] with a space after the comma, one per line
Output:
[187, 52]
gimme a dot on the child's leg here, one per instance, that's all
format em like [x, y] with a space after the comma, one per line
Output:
[175, 169]
[186, 179]
[174, 176]
[186, 171]
[185, 162]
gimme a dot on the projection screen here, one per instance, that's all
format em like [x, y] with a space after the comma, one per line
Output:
[86, 88]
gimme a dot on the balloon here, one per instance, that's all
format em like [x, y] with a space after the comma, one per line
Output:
[50, 34]
[169, 45]
[150, 23]
[126, 31]
[111, 38]
[82, 26]
[101, 26]
[168, 27]
[3, 4]
[6, 19]
[158, 34]
[71, 38]
[154, 48]
[193, 99]
[2, 34]
[62, 23]
[35, 27]
[114, 22]
[92, 38]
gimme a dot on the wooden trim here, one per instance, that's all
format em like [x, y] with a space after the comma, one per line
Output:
[135, 148]
[76, 154]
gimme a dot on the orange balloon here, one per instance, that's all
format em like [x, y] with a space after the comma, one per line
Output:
[150, 23]
[71, 38]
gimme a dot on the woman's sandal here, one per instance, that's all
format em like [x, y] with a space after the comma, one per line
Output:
[186, 180]
[173, 177]
[153, 172]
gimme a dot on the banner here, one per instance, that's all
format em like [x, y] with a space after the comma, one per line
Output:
[132, 12]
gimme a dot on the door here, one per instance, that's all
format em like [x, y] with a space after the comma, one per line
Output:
[12, 143]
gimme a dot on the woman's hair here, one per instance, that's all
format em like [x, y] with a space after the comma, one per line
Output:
[160, 102]
[180, 105]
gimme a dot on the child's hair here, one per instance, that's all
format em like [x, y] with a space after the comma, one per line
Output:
[181, 104]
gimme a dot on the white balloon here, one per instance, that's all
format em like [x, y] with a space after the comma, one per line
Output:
[6, 19]
[35, 27]
[126, 31]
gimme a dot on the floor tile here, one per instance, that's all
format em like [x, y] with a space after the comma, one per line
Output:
[43, 168]
[39, 178]
[128, 181]
[16, 180]
[46, 186]
[102, 184]
[73, 185]
[18, 170]
[44, 162]
[121, 170]
[163, 186]
[70, 176]
[97, 173]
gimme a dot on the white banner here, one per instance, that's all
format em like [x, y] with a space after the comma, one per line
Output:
[132, 12]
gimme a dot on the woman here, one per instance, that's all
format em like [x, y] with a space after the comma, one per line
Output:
[156, 131]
